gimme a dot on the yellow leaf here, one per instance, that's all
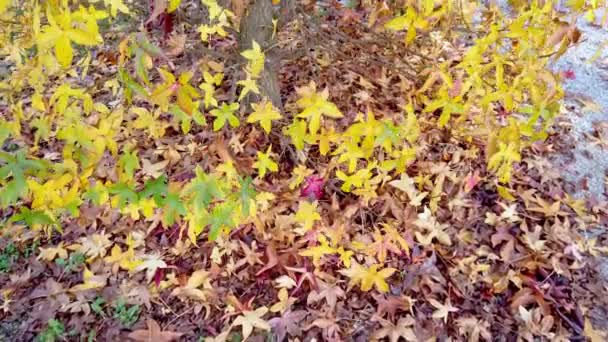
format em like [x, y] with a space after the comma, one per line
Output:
[505, 193]
[317, 252]
[252, 319]
[368, 277]
[284, 301]
[173, 5]
[593, 334]
[82, 37]
[4, 5]
[90, 281]
[198, 286]
[256, 58]
[315, 105]
[264, 112]
[63, 51]
[49, 254]
[126, 260]
[307, 215]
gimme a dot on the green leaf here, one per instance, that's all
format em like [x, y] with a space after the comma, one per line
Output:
[184, 119]
[17, 166]
[225, 114]
[125, 194]
[203, 189]
[221, 217]
[174, 207]
[265, 163]
[140, 66]
[97, 194]
[157, 189]
[297, 132]
[129, 163]
[32, 217]
[246, 194]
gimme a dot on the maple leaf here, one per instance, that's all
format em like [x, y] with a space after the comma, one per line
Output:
[297, 132]
[284, 302]
[547, 209]
[125, 260]
[250, 256]
[355, 180]
[390, 241]
[192, 289]
[510, 213]
[406, 184]
[150, 122]
[203, 189]
[153, 170]
[300, 173]
[443, 310]
[115, 6]
[150, 263]
[315, 105]
[474, 328]
[93, 246]
[389, 304]
[264, 112]
[317, 252]
[208, 30]
[403, 328]
[330, 292]
[288, 323]
[154, 334]
[255, 58]
[532, 237]
[208, 87]
[221, 217]
[368, 277]
[225, 114]
[501, 161]
[313, 188]
[63, 29]
[307, 215]
[50, 253]
[265, 163]
[90, 281]
[250, 320]
[434, 229]
[249, 85]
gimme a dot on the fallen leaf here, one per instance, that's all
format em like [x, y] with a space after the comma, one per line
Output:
[154, 334]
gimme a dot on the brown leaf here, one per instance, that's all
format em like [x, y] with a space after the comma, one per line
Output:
[273, 260]
[238, 8]
[176, 44]
[154, 334]
[158, 8]
[288, 323]
[559, 34]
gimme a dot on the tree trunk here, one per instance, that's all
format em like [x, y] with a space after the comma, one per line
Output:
[257, 25]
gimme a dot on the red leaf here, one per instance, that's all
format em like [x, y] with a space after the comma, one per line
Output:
[471, 180]
[313, 187]
[568, 74]
[158, 276]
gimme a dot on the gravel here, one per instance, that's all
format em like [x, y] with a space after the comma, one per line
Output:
[590, 86]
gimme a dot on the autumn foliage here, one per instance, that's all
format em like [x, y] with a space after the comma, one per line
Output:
[399, 188]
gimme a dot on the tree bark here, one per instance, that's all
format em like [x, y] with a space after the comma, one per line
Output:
[257, 25]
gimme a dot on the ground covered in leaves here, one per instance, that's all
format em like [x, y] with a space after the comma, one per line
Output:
[353, 210]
